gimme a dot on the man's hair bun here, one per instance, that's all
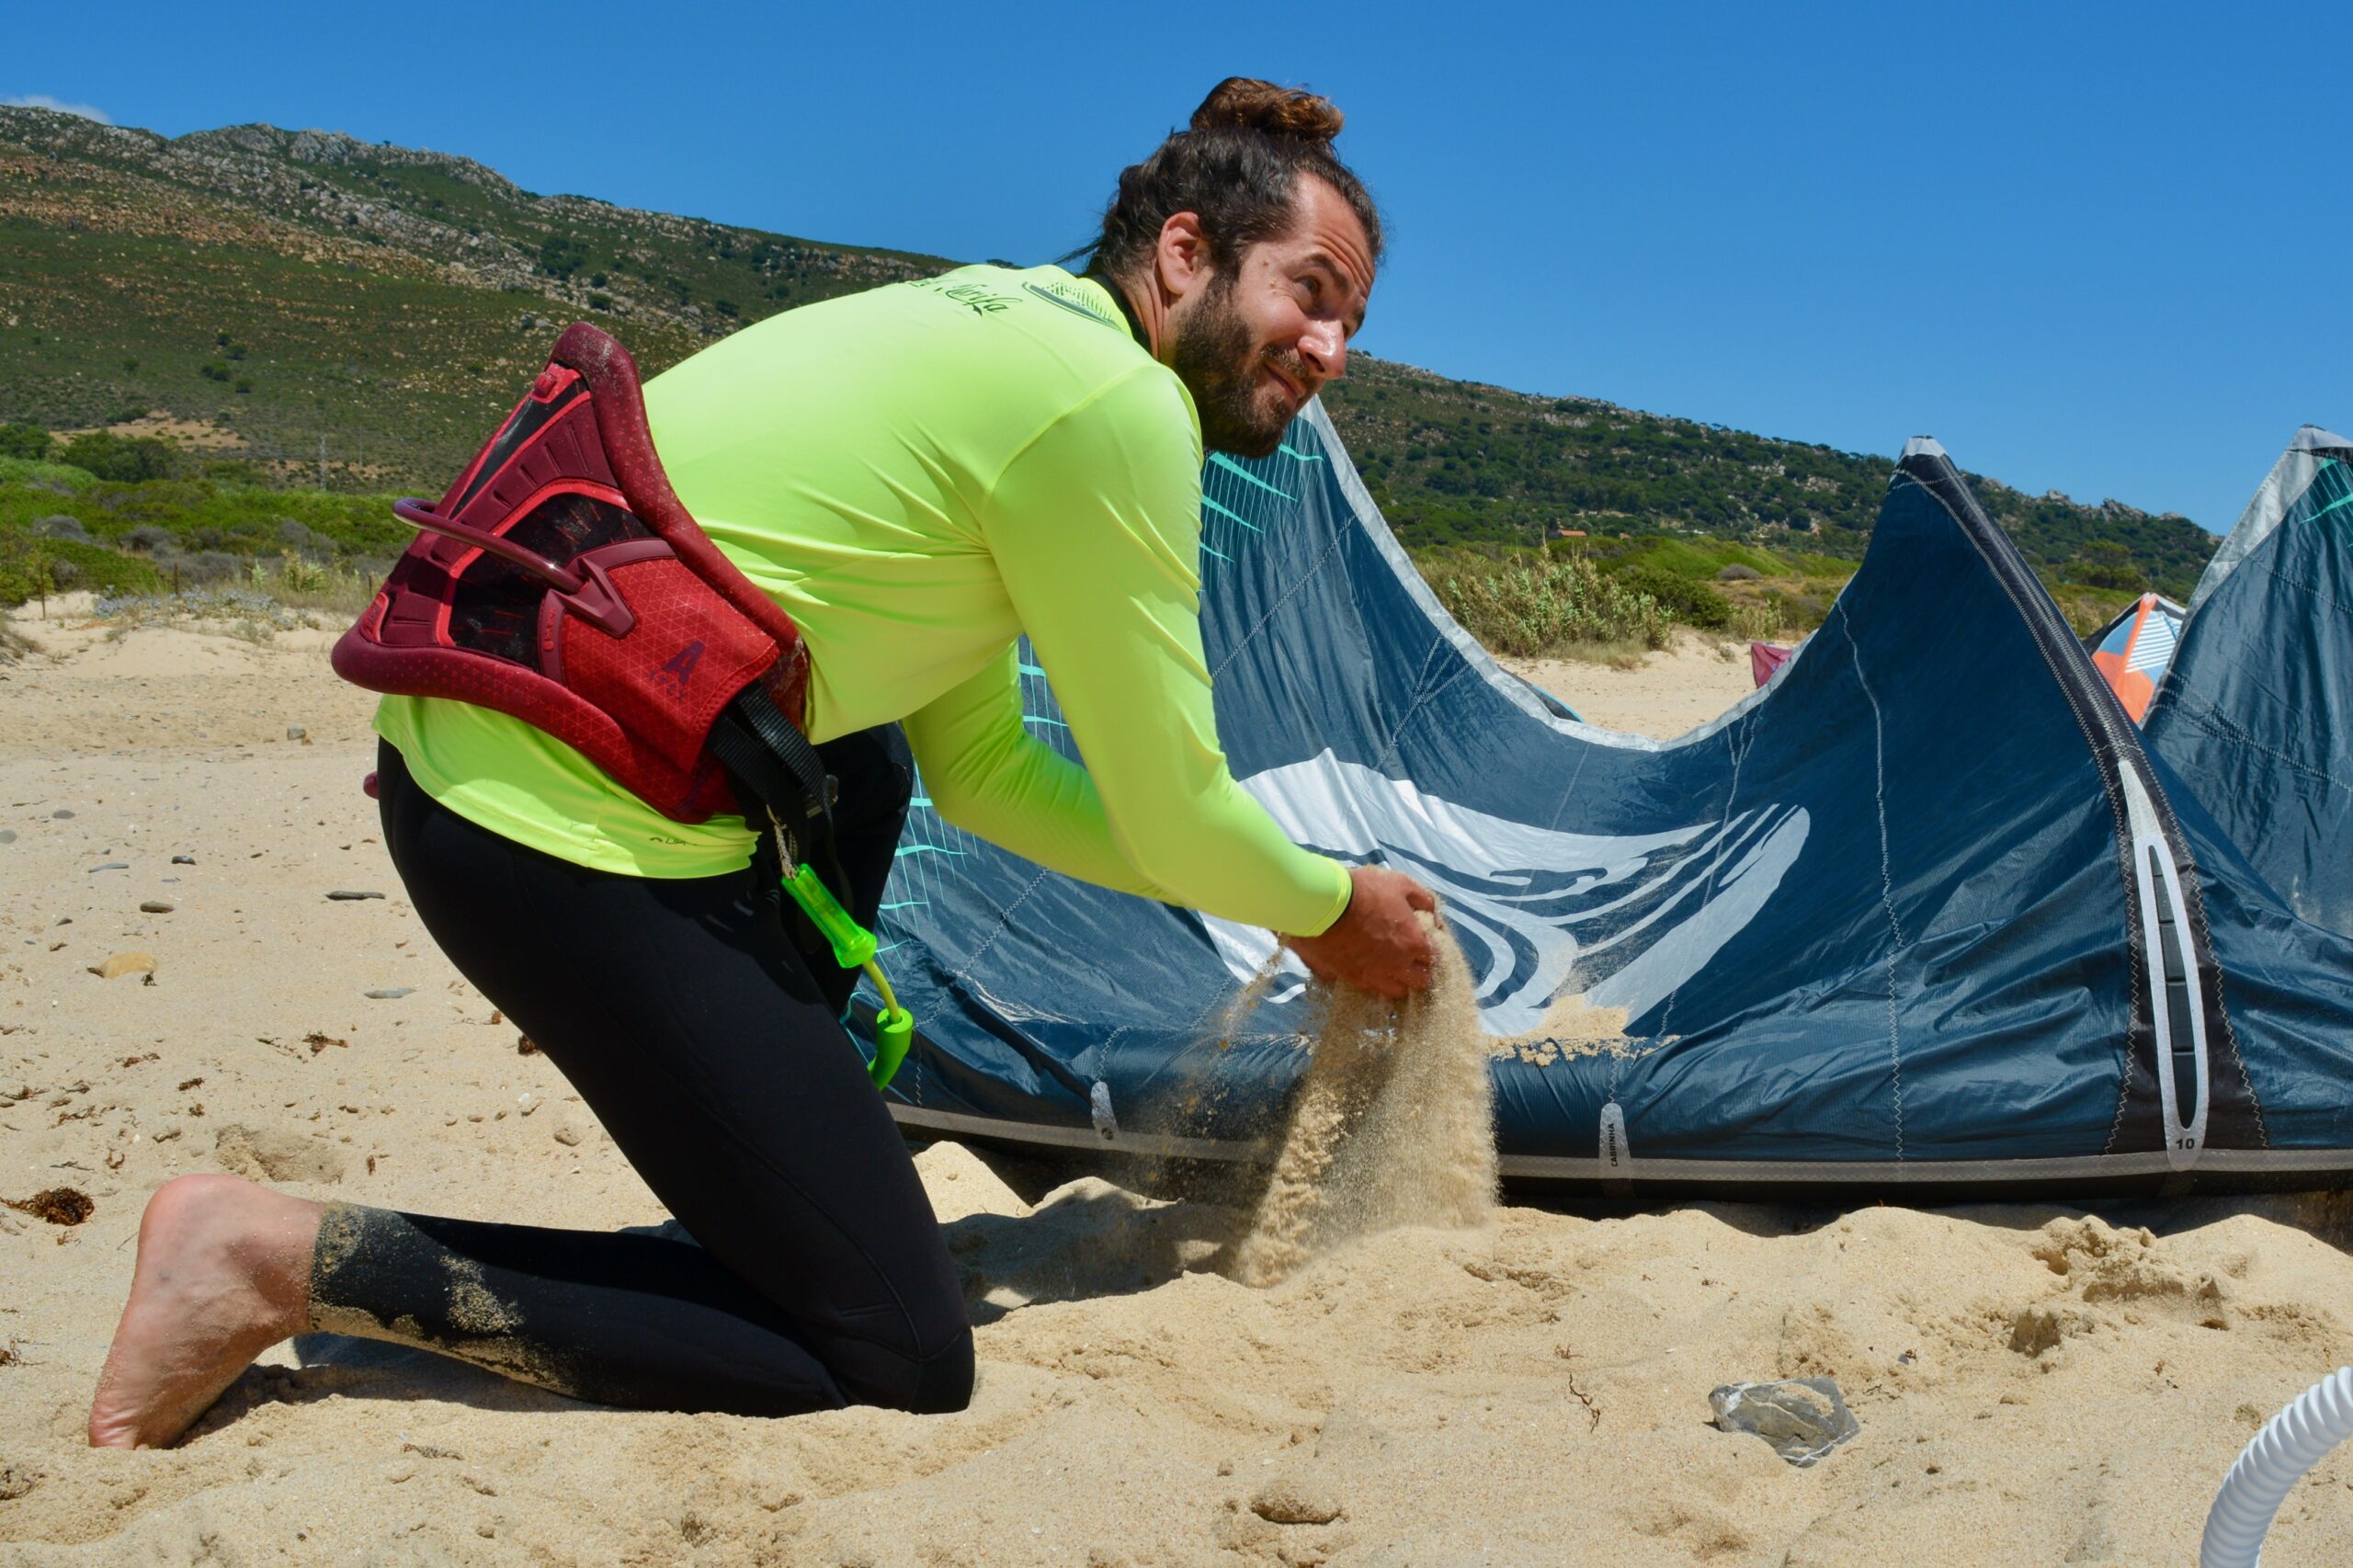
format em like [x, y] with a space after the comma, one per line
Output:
[1249, 104]
[1236, 169]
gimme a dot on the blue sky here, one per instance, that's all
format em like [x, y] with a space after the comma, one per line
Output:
[2101, 249]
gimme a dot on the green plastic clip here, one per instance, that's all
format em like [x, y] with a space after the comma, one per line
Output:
[854, 949]
[893, 1026]
[853, 944]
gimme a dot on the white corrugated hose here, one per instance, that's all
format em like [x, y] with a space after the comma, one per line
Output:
[2290, 1444]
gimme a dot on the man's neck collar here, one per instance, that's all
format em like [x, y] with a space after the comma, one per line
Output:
[1118, 293]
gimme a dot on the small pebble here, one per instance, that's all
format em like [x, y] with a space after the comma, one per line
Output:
[113, 865]
[568, 1135]
[7, 836]
[64, 813]
[122, 964]
[183, 859]
[154, 906]
[392, 993]
[296, 733]
[349, 895]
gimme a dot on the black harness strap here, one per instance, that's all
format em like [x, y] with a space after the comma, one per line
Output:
[774, 763]
[769, 755]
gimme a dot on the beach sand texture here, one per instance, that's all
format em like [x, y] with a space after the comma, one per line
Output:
[2035, 1385]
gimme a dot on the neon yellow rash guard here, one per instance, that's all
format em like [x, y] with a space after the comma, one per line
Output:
[919, 474]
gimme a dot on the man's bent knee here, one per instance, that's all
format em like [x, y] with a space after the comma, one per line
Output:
[926, 1385]
[944, 1381]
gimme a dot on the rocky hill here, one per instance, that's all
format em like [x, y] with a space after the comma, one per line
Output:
[328, 308]
[299, 287]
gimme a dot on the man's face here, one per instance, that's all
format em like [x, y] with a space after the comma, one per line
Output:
[1260, 337]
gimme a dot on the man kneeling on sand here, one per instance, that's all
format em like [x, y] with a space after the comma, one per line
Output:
[919, 475]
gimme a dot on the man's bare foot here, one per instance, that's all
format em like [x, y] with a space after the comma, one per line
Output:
[223, 1273]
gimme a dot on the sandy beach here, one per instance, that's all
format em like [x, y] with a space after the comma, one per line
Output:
[2035, 1384]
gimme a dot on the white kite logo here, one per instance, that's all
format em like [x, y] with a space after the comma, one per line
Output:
[1539, 914]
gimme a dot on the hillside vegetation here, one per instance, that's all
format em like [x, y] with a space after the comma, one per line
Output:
[1457, 462]
[320, 321]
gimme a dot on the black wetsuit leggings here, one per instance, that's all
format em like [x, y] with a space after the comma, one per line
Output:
[686, 1017]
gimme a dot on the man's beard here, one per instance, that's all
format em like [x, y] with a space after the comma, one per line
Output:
[1212, 355]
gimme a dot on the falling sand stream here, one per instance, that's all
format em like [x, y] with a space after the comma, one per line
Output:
[1392, 1124]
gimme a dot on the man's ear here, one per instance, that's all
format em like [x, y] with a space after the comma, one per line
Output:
[1181, 256]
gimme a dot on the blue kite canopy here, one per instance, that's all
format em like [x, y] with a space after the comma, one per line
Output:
[1864, 937]
[2256, 710]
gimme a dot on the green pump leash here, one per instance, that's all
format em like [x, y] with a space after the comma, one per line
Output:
[854, 948]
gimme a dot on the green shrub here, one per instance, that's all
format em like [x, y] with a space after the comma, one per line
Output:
[2128, 578]
[561, 255]
[1758, 622]
[25, 479]
[1697, 559]
[24, 567]
[28, 441]
[126, 459]
[30, 564]
[1694, 604]
[1530, 606]
[220, 507]
[104, 571]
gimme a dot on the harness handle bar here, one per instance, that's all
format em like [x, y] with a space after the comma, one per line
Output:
[418, 514]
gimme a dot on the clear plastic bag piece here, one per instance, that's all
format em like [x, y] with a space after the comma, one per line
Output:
[1803, 1418]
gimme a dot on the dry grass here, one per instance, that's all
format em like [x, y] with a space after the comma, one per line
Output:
[292, 595]
[337, 590]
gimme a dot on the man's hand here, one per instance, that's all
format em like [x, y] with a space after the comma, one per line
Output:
[1383, 943]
